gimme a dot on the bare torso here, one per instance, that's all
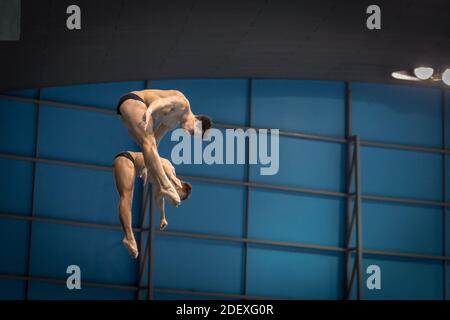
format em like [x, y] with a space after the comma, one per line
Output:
[168, 113]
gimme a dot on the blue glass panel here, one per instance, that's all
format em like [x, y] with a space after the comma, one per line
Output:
[206, 265]
[99, 253]
[292, 217]
[80, 194]
[304, 163]
[103, 95]
[401, 173]
[297, 105]
[405, 228]
[405, 279]
[12, 289]
[16, 186]
[17, 127]
[204, 211]
[82, 136]
[397, 114]
[294, 274]
[14, 246]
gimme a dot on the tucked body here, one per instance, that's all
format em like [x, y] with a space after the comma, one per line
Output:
[148, 115]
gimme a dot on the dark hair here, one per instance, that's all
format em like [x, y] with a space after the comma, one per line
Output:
[206, 123]
[186, 190]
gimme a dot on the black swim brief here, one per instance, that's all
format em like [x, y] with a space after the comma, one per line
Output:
[127, 155]
[126, 97]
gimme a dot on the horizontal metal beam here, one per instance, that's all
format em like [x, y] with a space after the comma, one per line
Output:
[83, 165]
[404, 147]
[405, 200]
[57, 104]
[63, 282]
[397, 254]
[291, 134]
[212, 294]
[94, 284]
[232, 126]
[266, 186]
[220, 237]
[193, 178]
[240, 183]
[76, 223]
[300, 245]
[252, 241]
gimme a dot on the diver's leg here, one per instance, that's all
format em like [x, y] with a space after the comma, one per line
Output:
[124, 175]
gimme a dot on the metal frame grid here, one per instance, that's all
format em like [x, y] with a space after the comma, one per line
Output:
[353, 215]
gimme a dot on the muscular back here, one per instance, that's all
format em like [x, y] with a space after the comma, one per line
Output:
[173, 104]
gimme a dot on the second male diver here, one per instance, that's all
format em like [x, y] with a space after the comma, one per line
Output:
[128, 165]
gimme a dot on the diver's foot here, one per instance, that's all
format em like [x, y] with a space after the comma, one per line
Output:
[172, 195]
[131, 245]
[163, 224]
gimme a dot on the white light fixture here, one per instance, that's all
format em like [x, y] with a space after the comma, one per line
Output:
[446, 77]
[403, 75]
[423, 73]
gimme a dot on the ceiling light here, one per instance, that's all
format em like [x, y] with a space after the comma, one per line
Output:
[446, 77]
[403, 75]
[423, 73]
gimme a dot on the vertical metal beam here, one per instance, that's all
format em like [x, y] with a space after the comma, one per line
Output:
[33, 197]
[142, 252]
[151, 238]
[444, 196]
[148, 197]
[348, 133]
[351, 279]
[358, 202]
[142, 216]
[348, 110]
[247, 178]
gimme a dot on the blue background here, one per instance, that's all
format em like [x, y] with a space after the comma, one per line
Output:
[383, 113]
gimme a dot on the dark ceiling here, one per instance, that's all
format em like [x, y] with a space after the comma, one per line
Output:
[135, 40]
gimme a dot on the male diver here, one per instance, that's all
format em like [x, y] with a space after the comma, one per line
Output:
[148, 115]
[126, 166]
